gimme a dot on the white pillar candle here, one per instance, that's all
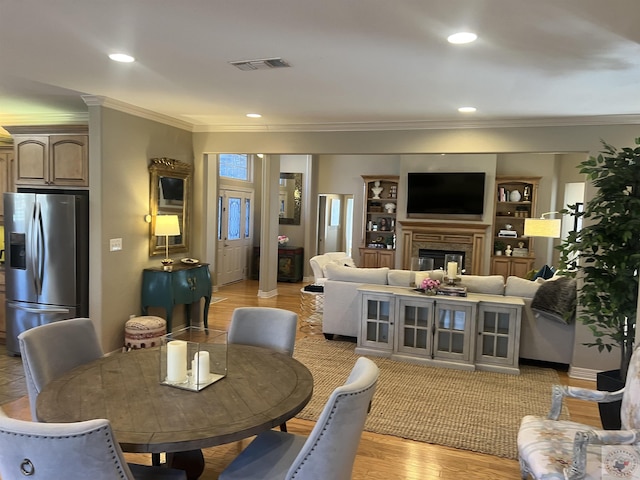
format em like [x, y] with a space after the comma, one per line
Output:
[202, 359]
[420, 276]
[452, 269]
[177, 361]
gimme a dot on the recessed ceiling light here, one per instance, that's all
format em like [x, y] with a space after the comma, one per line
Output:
[462, 37]
[121, 57]
[467, 109]
[254, 115]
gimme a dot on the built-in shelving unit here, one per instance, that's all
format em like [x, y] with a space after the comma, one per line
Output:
[515, 200]
[380, 207]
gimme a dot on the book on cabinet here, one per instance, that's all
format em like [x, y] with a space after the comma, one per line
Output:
[515, 200]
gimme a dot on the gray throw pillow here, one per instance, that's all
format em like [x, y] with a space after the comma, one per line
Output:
[556, 300]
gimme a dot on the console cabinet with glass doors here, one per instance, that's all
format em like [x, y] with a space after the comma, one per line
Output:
[379, 229]
[475, 332]
[438, 330]
[498, 346]
[377, 327]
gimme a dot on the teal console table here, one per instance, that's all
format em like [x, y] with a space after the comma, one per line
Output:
[183, 285]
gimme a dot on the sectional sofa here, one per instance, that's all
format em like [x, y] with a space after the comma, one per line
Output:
[542, 337]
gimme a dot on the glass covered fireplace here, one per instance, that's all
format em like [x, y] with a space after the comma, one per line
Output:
[438, 257]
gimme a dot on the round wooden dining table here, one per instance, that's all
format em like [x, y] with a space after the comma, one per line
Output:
[262, 389]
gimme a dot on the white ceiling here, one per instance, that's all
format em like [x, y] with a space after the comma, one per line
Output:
[356, 64]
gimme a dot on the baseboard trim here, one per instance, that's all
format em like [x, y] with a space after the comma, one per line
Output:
[583, 373]
[269, 294]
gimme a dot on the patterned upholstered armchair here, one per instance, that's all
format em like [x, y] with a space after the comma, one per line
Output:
[553, 449]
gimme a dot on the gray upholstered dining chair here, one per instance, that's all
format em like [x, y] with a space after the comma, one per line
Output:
[52, 349]
[267, 327]
[73, 451]
[330, 449]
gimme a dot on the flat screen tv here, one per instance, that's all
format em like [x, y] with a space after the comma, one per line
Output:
[445, 194]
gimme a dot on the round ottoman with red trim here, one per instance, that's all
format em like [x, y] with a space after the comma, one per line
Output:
[144, 332]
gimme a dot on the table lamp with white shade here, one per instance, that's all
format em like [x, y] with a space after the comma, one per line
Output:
[167, 225]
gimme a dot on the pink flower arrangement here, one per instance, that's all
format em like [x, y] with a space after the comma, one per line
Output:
[429, 284]
[283, 239]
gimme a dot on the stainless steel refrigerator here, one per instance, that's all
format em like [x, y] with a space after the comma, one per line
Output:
[47, 260]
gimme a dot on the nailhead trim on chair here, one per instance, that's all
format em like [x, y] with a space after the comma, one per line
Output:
[53, 437]
[335, 405]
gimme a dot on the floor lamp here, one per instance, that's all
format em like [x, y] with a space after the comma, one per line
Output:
[167, 225]
[543, 227]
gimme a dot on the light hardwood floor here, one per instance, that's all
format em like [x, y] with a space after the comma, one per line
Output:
[380, 457]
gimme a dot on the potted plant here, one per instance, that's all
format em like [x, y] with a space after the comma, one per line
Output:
[499, 246]
[605, 255]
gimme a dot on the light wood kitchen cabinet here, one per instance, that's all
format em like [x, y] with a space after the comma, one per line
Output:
[6, 183]
[58, 159]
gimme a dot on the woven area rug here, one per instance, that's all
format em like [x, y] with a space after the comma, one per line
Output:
[477, 411]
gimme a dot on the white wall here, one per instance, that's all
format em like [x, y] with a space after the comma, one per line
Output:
[120, 148]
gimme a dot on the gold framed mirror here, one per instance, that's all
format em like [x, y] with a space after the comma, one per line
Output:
[169, 194]
[290, 198]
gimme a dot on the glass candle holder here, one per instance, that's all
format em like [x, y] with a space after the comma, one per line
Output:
[193, 358]
[420, 264]
[453, 265]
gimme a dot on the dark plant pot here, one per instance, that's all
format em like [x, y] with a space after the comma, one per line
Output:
[610, 381]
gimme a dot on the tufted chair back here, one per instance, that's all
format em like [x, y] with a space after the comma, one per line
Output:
[72, 451]
[330, 450]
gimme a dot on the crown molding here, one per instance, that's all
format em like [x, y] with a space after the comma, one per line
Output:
[71, 118]
[79, 118]
[66, 129]
[6, 140]
[429, 125]
[95, 100]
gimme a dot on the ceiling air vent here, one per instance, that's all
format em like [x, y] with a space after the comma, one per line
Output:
[261, 64]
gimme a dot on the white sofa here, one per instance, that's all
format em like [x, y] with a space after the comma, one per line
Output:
[541, 338]
[319, 263]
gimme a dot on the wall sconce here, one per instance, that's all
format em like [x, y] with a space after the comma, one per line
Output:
[543, 227]
[167, 225]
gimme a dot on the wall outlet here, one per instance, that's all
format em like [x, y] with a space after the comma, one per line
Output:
[115, 244]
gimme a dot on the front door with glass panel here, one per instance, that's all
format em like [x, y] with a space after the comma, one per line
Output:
[234, 234]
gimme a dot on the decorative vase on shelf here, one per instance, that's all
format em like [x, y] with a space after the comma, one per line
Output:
[514, 196]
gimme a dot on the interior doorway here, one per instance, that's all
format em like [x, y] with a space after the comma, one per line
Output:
[335, 223]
